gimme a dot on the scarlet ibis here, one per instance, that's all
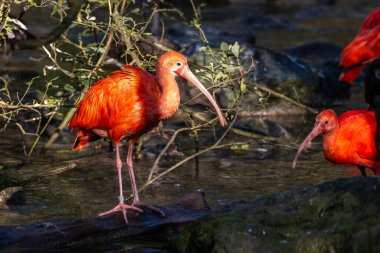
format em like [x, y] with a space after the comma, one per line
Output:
[129, 103]
[347, 139]
[363, 49]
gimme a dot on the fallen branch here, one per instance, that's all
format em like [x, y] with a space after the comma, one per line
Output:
[80, 233]
[286, 98]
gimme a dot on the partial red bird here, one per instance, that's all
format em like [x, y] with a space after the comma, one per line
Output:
[363, 49]
[347, 139]
[129, 103]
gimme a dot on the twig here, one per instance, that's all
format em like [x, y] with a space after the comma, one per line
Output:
[286, 98]
[153, 44]
[5, 7]
[54, 60]
[163, 151]
[26, 106]
[214, 146]
[71, 112]
[253, 135]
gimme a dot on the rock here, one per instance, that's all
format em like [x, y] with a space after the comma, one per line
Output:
[315, 52]
[88, 234]
[283, 73]
[11, 196]
[337, 216]
[262, 23]
[323, 59]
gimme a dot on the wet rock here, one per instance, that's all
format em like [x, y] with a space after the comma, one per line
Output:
[315, 52]
[263, 126]
[283, 73]
[300, 4]
[189, 36]
[278, 70]
[153, 144]
[261, 23]
[11, 196]
[323, 58]
[337, 216]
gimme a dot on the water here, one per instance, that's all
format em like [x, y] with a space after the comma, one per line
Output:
[224, 175]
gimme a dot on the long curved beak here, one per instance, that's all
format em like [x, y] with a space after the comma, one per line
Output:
[307, 141]
[189, 76]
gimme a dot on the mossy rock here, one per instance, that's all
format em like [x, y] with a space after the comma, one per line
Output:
[337, 216]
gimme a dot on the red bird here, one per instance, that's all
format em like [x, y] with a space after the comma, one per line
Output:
[347, 139]
[363, 49]
[129, 103]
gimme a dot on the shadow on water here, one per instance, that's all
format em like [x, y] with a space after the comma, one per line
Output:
[224, 175]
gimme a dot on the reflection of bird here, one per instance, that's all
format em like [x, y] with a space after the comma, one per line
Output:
[129, 103]
[363, 49]
[347, 139]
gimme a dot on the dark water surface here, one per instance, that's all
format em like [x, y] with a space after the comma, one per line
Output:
[224, 175]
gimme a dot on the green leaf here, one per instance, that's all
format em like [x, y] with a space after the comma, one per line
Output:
[68, 87]
[243, 86]
[196, 23]
[202, 49]
[219, 76]
[137, 10]
[242, 147]
[235, 49]
[224, 46]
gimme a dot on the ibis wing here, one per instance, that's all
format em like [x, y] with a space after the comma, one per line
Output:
[364, 47]
[357, 130]
[121, 98]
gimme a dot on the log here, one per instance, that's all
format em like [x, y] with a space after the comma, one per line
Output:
[87, 233]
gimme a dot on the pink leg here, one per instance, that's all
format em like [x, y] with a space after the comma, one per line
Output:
[121, 206]
[136, 199]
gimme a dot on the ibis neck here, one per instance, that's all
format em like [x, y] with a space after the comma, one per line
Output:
[170, 97]
[329, 139]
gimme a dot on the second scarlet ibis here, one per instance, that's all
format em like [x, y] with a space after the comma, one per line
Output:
[129, 103]
[363, 49]
[347, 139]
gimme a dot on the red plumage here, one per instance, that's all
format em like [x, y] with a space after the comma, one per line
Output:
[117, 104]
[129, 103]
[363, 49]
[347, 139]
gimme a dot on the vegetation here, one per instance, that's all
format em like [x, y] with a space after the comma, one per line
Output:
[92, 37]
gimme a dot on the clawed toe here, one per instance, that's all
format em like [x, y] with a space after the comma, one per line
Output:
[122, 207]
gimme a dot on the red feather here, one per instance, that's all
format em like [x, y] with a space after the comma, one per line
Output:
[117, 106]
[363, 49]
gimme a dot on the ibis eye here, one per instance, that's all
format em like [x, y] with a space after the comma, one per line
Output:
[326, 122]
[179, 64]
